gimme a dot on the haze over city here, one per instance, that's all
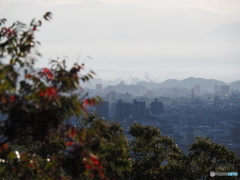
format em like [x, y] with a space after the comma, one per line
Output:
[122, 39]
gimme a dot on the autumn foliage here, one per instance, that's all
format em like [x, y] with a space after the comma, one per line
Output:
[36, 140]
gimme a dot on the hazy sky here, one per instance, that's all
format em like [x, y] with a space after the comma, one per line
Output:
[134, 43]
[224, 6]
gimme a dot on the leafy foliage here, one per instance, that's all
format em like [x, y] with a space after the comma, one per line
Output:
[43, 99]
[34, 136]
[104, 140]
[206, 156]
[154, 156]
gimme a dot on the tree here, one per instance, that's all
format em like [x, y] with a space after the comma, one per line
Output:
[36, 142]
[104, 139]
[206, 156]
[154, 156]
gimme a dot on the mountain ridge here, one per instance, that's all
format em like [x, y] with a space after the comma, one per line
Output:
[206, 84]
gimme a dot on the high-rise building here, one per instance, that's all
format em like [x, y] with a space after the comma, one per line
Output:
[103, 109]
[112, 97]
[157, 107]
[224, 91]
[137, 107]
[123, 110]
[216, 90]
[126, 97]
[141, 104]
[192, 93]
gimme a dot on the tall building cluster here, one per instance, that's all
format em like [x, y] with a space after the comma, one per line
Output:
[124, 110]
[223, 91]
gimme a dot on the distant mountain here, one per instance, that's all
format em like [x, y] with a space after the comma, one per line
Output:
[170, 83]
[206, 84]
[235, 85]
[149, 85]
[228, 32]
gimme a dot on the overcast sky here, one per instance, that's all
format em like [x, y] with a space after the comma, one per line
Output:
[144, 44]
[224, 6]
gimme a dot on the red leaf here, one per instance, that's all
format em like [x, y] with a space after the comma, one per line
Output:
[72, 132]
[3, 147]
[86, 102]
[50, 76]
[88, 166]
[45, 70]
[47, 73]
[41, 94]
[51, 91]
[27, 76]
[70, 143]
[12, 98]
[94, 160]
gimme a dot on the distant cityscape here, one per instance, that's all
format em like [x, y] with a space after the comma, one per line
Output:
[179, 112]
[182, 113]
